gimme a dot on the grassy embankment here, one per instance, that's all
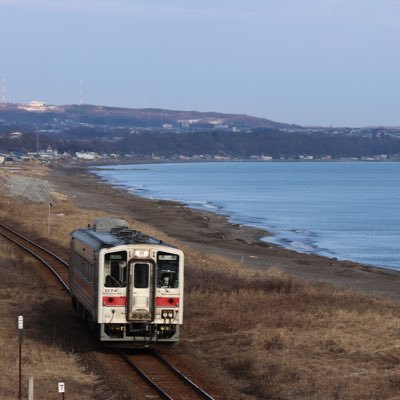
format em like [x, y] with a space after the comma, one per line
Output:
[43, 356]
[266, 335]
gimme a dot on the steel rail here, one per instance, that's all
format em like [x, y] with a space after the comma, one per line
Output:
[154, 385]
[37, 256]
[170, 367]
[182, 376]
[36, 245]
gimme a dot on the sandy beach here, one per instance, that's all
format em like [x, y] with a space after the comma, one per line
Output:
[211, 233]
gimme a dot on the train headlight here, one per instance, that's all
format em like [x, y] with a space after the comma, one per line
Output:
[165, 314]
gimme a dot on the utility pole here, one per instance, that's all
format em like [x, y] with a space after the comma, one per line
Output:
[48, 218]
[3, 91]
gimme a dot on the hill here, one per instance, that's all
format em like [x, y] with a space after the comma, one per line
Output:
[172, 134]
[37, 112]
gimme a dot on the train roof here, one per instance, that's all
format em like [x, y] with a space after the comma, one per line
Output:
[110, 232]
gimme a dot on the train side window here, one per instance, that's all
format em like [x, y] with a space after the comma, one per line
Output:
[167, 270]
[115, 269]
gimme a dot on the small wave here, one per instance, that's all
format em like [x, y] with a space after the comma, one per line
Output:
[137, 191]
[306, 246]
[133, 187]
[303, 247]
[303, 232]
[203, 204]
[118, 169]
[138, 187]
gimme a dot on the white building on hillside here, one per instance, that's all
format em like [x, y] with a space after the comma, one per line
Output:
[86, 155]
[36, 106]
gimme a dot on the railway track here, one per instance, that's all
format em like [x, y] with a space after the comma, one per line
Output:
[55, 264]
[164, 379]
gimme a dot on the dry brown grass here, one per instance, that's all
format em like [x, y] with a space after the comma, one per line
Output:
[281, 338]
[43, 357]
[265, 335]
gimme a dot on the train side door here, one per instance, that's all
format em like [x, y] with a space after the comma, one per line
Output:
[141, 289]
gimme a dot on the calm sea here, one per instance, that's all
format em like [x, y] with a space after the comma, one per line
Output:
[347, 210]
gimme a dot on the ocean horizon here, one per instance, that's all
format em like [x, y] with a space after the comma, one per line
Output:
[344, 210]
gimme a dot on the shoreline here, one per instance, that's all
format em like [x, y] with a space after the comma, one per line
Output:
[212, 233]
[288, 239]
[259, 232]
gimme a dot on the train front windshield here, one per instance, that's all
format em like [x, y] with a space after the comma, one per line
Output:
[167, 270]
[115, 269]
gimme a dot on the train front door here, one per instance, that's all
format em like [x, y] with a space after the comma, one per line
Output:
[141, 288]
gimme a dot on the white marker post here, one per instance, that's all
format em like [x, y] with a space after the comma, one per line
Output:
[21, 339]
[61, 389]
[30, 388]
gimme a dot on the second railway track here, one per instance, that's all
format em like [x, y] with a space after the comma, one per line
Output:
[55, 264]
[168, 382]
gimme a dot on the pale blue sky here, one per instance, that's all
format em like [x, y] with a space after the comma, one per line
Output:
[297, 61]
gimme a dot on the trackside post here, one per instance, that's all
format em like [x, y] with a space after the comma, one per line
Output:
[61, 389]
[30, 388]
[20, 341]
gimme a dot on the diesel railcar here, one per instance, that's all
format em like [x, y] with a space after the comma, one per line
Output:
[126, 285]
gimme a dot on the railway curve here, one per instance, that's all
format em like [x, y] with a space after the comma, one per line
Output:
[167, 381]
[55, 264]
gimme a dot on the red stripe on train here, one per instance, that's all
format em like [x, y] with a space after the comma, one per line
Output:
[114, 301]
[167, 301]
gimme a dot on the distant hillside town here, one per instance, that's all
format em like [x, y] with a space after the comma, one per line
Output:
[38, 132]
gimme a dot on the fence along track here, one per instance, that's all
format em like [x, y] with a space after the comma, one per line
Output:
[152, 367]
[58, 266]
[26, 189]
[168, 381]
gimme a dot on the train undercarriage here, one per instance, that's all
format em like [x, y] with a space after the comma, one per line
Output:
[126, 335]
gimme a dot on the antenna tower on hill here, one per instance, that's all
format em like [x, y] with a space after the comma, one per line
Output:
[3, 91]
[80, 92]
